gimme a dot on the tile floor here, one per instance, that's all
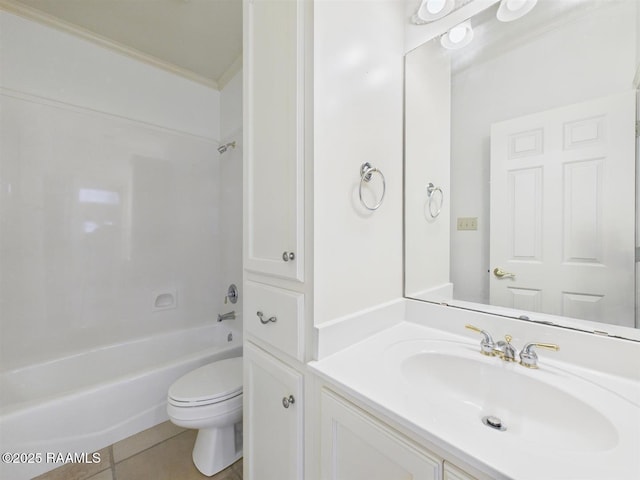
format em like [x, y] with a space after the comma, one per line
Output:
[160, 453]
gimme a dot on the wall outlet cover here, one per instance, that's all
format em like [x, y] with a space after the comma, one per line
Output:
[467, 223]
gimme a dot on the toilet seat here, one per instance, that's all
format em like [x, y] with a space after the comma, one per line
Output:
[207, 385]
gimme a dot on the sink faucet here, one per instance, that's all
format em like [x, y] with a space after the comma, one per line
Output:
[528, 356]
[502, 349]
[487, 344]
[227, 316]
[505, 350]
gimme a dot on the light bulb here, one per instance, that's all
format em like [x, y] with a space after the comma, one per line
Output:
[515, 5]
[430, 10]
[435, 6]
[457, 34]
[510, 10]
[458, 37]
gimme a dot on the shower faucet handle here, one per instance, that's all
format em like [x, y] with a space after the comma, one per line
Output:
[232, 294]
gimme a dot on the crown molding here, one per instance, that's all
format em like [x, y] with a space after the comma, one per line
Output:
[29, 13]
[72, 107]
[230, 72]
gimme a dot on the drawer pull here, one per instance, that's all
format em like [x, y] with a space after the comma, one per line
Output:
[287, 401]
[286, 256]
[262, 319]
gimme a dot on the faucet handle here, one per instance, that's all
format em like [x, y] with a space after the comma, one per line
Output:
[486, 344]
[528, 356]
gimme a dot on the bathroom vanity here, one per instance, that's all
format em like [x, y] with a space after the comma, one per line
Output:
[420, 398]
[400, 389]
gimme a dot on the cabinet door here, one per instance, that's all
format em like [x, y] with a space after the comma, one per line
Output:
[274, 130]
[273, 418]
[281, 324]
[355, 446]
[451, 472]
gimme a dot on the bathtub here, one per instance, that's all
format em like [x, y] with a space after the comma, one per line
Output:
[87, 401]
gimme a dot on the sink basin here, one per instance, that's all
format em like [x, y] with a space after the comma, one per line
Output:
[538, 406]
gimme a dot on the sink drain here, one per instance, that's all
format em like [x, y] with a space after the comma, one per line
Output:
[494, 422]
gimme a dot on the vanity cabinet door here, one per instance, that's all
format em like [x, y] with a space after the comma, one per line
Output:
[274, 134]
[451, 472]
[273, 418]
[355, 446]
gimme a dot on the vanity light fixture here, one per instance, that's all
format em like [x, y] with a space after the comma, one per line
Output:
[430, 10]
[513, 9]
[458, 37]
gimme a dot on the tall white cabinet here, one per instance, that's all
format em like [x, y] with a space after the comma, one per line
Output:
[276, 280]
[274, 51]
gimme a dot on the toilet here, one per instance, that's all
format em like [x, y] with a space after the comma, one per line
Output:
[209, 399]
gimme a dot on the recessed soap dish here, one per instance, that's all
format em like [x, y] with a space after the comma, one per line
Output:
[164, 300]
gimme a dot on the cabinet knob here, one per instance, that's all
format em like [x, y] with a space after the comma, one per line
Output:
[286, 401]
[286, 256]
[263, 320]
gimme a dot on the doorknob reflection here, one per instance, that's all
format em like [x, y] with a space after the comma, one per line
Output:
[498, 272]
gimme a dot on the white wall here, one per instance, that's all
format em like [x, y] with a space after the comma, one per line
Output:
[427, 152]
[231, 187]
[358, 85]
[231, 107]
[110, 192]
[512, 84]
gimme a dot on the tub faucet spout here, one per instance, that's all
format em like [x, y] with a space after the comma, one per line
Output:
[227, 316]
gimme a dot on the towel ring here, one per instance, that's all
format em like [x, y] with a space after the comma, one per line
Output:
[366, 172]
[431, 190]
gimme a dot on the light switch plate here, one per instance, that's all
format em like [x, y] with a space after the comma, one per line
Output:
[467, 223]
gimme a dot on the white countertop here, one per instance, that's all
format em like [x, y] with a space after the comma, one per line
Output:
[369, 371]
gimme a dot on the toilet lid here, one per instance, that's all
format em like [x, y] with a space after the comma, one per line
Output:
[212, 383]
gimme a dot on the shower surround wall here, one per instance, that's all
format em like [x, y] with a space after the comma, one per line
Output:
[231, 184]
[110, 196]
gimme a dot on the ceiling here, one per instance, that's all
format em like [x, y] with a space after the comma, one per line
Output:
[202, 38]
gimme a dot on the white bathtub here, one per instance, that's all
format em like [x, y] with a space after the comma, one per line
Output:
[90, 400]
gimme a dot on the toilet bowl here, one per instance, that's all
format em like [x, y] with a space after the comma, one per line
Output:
[209, 399]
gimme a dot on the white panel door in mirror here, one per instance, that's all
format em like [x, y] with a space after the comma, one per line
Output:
[562, 218]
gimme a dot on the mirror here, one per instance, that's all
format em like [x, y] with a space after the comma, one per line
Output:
[520, 167]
